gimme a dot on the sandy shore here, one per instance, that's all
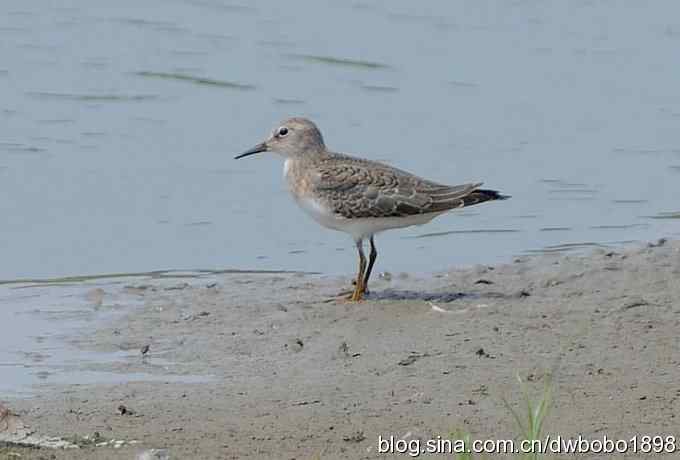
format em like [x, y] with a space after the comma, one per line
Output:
[288, 374]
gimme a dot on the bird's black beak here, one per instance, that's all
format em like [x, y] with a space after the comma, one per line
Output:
[262, 147]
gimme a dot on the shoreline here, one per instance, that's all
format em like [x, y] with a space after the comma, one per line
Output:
[283, 373]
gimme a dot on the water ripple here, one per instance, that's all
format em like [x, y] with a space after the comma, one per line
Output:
[330, 60]
[223, 7]
[146, 23]
[12, 147]
[617, 227]
[24, 283]
[464, 232]
[665, 215]
[555, 229]
[379, 88]
[195, 79]
[92, 97]
[630, 201]
[575, 247]
[284, 101]
[463, 84]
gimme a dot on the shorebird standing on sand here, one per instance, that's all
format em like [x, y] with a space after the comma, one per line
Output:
[357, 196]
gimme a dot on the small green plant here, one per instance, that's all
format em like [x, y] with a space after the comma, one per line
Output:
[536, 412]
[529, 423]
[530, 426]
[465, 437]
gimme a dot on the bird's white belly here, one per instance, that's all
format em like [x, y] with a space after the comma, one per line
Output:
[361, 227]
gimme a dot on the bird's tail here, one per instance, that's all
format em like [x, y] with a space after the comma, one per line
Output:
[481, 195]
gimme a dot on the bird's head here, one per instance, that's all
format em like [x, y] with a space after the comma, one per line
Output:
[293, 137]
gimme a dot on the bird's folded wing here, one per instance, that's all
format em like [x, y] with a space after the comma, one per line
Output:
[356, 189]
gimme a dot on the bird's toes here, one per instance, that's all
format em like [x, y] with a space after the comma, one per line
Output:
[341, 296]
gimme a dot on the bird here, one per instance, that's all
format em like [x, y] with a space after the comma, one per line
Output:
[358, 196]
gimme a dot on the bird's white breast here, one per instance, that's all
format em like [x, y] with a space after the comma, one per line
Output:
[286, 168]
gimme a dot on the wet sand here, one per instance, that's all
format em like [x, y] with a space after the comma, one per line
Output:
[287, 374]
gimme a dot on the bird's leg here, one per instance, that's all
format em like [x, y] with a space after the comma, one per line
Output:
[371, 260]
[358, 293]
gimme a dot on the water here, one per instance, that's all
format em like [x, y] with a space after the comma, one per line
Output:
[42, 322]
[120, 121]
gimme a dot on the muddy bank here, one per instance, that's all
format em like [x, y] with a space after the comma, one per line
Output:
[285, 373]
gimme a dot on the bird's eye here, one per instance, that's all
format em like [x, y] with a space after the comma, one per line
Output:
[283, 131]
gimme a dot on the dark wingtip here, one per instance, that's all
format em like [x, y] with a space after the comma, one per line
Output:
[493, 194]
[483, 195]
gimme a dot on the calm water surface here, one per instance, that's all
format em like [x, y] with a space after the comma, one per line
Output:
[119, 121]
[119, 124]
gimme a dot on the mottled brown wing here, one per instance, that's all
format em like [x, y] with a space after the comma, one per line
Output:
[356, 188]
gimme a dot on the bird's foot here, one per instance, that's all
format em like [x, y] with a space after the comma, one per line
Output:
[354, 283]
[347, 296]
[357, 296]
[359, 292]
[351, 295]
[341, 296]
